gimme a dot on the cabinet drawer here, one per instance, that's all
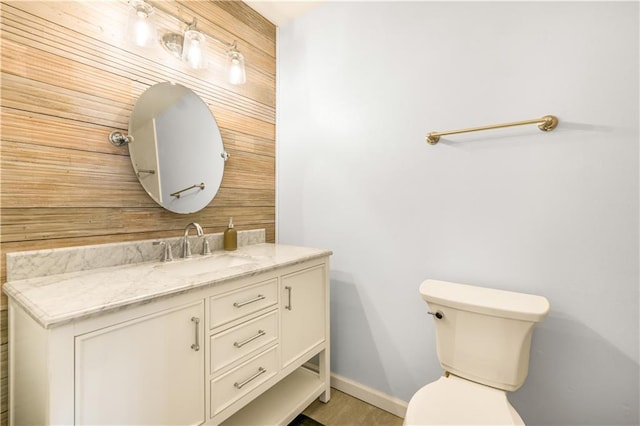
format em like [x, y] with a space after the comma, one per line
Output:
[231, 345]
[229, 387]
[230, 306]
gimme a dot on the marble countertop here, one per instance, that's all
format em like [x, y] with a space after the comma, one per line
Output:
[58, 299]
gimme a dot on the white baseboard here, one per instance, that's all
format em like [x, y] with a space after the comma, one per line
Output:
[370, 396]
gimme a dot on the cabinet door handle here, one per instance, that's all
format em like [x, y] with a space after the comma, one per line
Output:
[255, 376]
[288, 288]
[246, 302]
[250, 339]
[196, 345]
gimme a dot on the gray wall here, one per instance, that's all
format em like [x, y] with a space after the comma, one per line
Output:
[555, 214]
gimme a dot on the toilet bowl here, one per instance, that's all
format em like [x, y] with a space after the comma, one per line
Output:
[483, 340]
[456, 401]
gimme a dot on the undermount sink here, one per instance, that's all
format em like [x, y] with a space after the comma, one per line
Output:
[203, 264]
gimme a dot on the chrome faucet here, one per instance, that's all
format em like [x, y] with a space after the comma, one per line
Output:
[186, 248]
[167, 256]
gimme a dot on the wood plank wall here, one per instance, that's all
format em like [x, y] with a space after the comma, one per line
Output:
[70, 77]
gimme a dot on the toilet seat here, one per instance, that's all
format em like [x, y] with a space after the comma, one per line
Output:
[455, 401]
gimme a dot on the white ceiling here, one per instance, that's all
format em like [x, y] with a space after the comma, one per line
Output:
[281, 11]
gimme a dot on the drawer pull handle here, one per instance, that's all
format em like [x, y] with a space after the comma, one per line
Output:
[288, 307]
[246, 302]
[255, 376]
[196, 345]
[250, 339]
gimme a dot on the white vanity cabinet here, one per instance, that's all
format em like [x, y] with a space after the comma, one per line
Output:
[143, 365]
[231, 351]
[144, 371]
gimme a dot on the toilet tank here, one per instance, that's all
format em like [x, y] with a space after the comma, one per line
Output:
[484, 334]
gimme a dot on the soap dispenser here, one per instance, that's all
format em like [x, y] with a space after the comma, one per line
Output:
[230, 237]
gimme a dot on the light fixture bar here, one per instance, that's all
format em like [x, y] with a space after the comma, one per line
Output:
[190, 45]
[191, 25]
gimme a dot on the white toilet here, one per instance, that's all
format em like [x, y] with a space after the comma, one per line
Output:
[483, 337]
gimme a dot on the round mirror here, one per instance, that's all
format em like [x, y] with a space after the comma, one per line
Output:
[177, 150]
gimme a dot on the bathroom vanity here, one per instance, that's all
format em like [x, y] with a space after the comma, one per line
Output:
[224, 338]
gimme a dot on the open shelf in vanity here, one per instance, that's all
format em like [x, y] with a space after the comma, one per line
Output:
[275, 406]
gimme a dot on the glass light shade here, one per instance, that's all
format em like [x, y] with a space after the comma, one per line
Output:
[235, 67]
[194, 49]
[141, 27]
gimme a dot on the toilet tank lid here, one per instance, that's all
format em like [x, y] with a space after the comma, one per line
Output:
[488, 301]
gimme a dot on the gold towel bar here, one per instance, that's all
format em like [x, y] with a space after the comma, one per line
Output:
[546, 123]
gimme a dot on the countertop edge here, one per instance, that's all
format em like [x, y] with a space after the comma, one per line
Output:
[48, 322]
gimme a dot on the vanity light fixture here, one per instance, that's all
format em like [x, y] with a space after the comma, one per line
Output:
[191, 46]
[141, 26]
[235, 66]
[194, 47]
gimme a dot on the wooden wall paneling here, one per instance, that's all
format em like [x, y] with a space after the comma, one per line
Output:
[3, 353]
[237, 175]
[45, 223]
[4, 374]
[243, 197]
[46, 67]
[238, 12]
[39, 129]
[4, 388]
[257, 60]
[22, 93]
[147, 71]
[44, 98]
[51, 36]
[69, 177]
[37, 175]
[248, 143]
[238, 122]
[69, 77]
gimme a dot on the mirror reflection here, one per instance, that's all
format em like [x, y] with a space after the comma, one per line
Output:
[177, 151]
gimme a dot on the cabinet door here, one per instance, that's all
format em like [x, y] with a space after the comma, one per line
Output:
[148, 371]
[303, 310]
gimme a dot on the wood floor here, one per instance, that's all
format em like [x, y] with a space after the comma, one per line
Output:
[345, 410]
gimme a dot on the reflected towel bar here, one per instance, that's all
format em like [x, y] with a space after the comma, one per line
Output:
[546, 124]
[177, 193]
